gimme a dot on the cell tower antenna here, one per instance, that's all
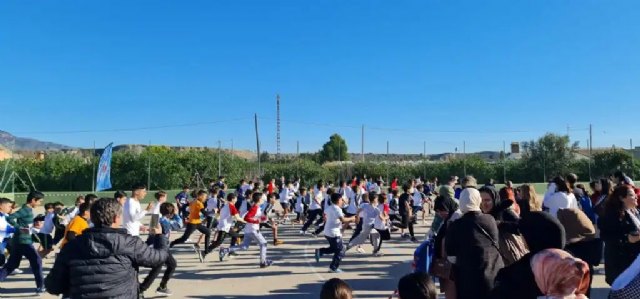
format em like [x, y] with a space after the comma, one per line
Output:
[278, 126]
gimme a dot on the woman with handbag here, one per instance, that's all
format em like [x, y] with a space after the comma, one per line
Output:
[471, 245]
[447, 209]
[540, 231]
[619, 229]
[512, 246]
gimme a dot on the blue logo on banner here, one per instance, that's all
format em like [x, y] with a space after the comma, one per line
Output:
[103, 179]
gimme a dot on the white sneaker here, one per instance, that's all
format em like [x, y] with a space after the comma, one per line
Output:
[302, 233]
[360, 250]
[17, 271]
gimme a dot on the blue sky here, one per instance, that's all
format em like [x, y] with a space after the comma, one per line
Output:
[411, 71]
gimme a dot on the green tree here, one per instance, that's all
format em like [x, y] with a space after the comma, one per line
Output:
[548, 156]
[606, 163]
[334, 150]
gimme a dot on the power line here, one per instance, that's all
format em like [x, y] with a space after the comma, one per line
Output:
[134, 129]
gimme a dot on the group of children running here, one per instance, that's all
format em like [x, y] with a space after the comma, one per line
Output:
[218, 214]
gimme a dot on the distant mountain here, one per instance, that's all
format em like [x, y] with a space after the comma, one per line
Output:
[27, 144]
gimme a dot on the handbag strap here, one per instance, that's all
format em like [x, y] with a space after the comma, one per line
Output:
[493, 242]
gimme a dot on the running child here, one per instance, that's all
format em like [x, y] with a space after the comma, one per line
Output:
[300, 207]
[195, 222]
[366, 217]
[6, 229]
[252, 232]
[46, 240]
[169, 221]
[228, 214]
[182, 201]
[286, 194]
[380, 224]
[271, 222]
[315, 208]
[333, 234]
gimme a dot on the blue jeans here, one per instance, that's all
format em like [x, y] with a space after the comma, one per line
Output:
[335, 247]
[16, 254]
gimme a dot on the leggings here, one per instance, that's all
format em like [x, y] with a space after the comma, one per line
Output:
[189, 230]
[313, 214]
[170, 265]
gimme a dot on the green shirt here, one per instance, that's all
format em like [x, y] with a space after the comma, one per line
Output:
[23, 218]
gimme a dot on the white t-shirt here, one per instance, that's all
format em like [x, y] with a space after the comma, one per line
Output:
[314, 202]
[254, 227]
[560, 200]
[4, 225]
[353, 203]
[71, 215]
[299, 208]
[47, 227]
[368, 214]
[378, 222]
[226, 218]
[156, 208]
[333, 224]
[131, 216]
[285, 195]
[212, 204]
[417, 198]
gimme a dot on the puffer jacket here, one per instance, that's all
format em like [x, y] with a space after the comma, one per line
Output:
[102, 263]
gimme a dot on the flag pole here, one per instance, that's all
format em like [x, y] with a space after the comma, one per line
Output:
[93, 175]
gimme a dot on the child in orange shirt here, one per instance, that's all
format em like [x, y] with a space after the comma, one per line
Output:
[195, 222]
[78, 224]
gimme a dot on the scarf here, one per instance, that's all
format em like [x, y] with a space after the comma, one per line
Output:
[470, 200]
[559, 275]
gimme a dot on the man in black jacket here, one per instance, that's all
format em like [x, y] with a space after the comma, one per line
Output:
[102, 262]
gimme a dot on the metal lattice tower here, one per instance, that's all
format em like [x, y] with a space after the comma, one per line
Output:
[278, 126]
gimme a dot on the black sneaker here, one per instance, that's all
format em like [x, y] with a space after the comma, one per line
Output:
[40, 291]
[414, 240]
[266, 264]
[163, 292]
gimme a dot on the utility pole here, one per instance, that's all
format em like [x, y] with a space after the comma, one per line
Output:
[464, 156]
[298, 159]
[504, 162]
[278, 126]
[424, 162]
[590, 144]
[388, 161]
[362, 145]
[93, 175]
[257, 144]
[632, 156]
[219, 158]
[149, 167]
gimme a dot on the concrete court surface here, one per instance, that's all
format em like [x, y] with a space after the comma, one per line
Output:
[294, 274]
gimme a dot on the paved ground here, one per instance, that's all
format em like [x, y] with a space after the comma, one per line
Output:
[294, 274]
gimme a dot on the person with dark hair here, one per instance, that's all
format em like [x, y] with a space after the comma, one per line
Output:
[195, 222]
[619, 229]
[6, 229]
[182, 201]
[90, 198]
[228, 214]
[168, 222]
[334, 220]
[161, 197]
[336, 288]
[315, 208]
[416, 286]
[78, 224]
[540, 231]
[133, 212]
[120, 196]
[405, 211]
[252, 232]
[44, 235]
[22, 243]
[559, 196]
[79, 200]
[102, 262]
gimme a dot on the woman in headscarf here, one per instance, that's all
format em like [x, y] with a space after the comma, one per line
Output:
[558, 275]
[619, 229]
[447, 209]
[471, 244]
[512, 245]
[581, 238]
[540, 231]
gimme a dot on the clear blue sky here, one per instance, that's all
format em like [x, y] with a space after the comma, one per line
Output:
[438, 71]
